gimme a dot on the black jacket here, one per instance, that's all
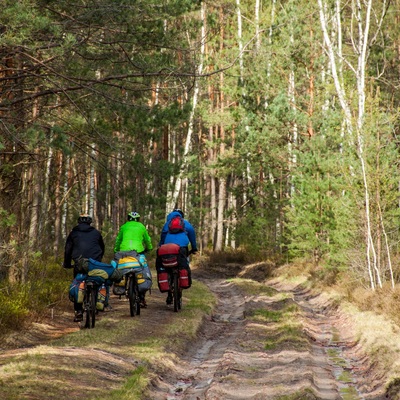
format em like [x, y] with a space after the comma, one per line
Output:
[83, 241]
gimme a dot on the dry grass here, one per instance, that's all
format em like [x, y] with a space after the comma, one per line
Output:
[116, 360]
[236, 263]
[374, 315]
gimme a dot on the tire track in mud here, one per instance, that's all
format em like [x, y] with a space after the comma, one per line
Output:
[338, 363]
[230, 361]
[202, 364]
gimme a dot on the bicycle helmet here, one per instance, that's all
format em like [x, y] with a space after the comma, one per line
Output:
[180, 212]
[85, 219]
[133, 216]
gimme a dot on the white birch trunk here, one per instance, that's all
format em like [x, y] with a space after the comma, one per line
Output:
[63, 201]
[257, 24]
[220, 214]
[173, 198]
[361, 47]
[92, 185]
[46, 202]
[213, 187]
[292, 100]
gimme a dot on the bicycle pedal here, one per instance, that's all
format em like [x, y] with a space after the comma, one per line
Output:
[78, 318]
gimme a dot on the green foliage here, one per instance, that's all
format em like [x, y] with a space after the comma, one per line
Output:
[107, 92]
[322, 213]
[268, 315]
[6, 219]
[256, 230]
[14, 310]
[47, 285]
[134, 387]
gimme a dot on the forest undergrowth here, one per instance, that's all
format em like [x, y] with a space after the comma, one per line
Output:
[24, 303]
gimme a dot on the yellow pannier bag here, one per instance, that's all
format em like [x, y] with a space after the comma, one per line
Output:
[128, 263]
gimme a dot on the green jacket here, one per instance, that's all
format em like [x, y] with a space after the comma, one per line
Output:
[133, 235]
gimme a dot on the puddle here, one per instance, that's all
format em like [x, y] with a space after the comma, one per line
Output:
[177, 392]
[342, 369]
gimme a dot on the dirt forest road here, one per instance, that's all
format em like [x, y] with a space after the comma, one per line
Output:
[277, 341]
[232, 359]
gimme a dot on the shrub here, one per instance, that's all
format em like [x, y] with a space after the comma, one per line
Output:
[47, 285]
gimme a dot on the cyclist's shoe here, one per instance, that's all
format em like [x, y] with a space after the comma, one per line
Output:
[78, 316]
[169, 299]
[108, 307]
[143, 303]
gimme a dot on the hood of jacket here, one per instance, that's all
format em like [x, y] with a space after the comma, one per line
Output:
[172, 215]
[83, 227]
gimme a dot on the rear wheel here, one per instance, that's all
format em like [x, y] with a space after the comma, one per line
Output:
[137, 301]
[179, 298]
[89, 306]
[86, 310]
[93, 298]
[176, 293]
[132, 296]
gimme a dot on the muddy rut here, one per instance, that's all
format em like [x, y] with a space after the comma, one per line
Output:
[230, 361]
[236, 355]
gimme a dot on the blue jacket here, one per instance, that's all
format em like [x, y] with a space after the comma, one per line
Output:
[181, 238]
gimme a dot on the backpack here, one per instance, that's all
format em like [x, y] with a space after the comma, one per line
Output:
[176, 225]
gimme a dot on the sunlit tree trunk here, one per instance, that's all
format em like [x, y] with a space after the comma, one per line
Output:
[173, 200]
[213, 188]
[361, 40]
[293, 141]
[35, 191]
[60, 206]
[222, 174]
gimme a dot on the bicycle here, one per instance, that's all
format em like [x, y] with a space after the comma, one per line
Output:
[175, 289]
[89, 304]
[132, 292]
[174, 280]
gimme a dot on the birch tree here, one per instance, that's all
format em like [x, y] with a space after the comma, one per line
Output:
[362, 39]
[173, 198]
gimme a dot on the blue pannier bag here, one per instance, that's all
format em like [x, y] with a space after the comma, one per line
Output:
[144, 279]
[74, 294]
[100, 272]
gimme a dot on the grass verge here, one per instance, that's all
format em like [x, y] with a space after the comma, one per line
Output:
[115, 360]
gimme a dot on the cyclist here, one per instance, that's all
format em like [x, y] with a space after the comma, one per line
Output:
[84, 241]
[133, 236]
[182, 237]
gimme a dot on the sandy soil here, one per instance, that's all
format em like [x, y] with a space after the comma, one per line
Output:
[229, 360]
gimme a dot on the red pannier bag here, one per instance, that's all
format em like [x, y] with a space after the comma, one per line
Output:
[169, 254]
[162, 280]
[184, 281]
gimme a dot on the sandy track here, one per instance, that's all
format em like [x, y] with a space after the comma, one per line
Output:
[229, 360]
